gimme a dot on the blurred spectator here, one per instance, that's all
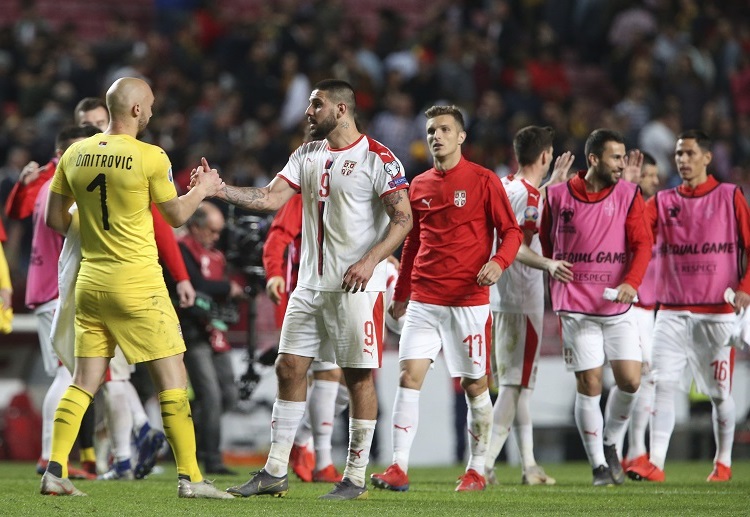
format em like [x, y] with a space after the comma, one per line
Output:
[489, 127]
[689, 89]
[740, 86]
[631, 25]
[547, 74]
[296, 88]
[659, 136]
[636, 112]
[398, 128]
[520, 98]
[454, 79]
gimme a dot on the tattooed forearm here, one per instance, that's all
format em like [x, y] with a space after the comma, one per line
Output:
[393, 198]
[394, 208]
[399, 211]
[400, 218]
[250, 198]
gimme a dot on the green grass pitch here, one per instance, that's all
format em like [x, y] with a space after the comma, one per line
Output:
[431, 494]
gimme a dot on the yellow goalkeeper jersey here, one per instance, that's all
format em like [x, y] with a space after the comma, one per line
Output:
[114, 179]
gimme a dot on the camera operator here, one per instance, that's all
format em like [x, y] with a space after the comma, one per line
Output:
[207, 359]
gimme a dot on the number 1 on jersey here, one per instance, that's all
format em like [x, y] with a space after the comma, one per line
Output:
[101, 182]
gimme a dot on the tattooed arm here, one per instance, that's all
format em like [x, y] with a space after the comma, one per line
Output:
[262, 199]
[398, 208]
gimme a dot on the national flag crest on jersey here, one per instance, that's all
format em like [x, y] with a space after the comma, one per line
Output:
[459, 198]
[348, 167]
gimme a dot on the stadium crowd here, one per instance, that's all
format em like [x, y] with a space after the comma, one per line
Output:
[233, 85]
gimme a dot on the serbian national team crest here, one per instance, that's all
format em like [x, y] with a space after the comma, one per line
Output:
[348, 167]
[459, 198]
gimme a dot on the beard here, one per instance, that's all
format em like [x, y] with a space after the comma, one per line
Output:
[323, 129]
[142, 123]
[607, 176]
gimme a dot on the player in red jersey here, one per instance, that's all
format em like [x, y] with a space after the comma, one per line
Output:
[445, 279]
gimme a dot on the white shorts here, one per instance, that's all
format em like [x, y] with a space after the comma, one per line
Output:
[590, 341]
[119, 369]
[44, 314]
[323, 366]
[644, 318]
[683, 340]
[463, 333]
[342, 328]
[516, 341]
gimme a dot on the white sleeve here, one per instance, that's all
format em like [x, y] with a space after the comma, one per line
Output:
[293, 168]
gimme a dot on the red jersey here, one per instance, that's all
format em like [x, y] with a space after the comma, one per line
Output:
[637, 232]
[166, 244]
[20, 202]
[285, 234]
[742, 214]
[455, 213]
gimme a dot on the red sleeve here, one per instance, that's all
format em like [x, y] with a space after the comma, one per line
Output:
[545, 230]
[20, 202]
[286, 226]
[504, 220]
[639, 241]
[169, 251]
[402, 291]
[649, 213]
[3, 237]
[742, 212]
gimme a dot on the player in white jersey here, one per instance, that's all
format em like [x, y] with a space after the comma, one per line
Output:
[355, 214]
[517, 304]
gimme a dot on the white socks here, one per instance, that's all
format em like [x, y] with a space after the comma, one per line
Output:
[524, 429]
[405, 422]
[640, 418]
[285, 419]
[479, 423]
[662, 422]
[723, 418]
[360, 441]
[342, 400]
[321, 407]
[119, 418]
[620, 406]
[136, 406]
[590, 423]
[52, 398]
[502, 417]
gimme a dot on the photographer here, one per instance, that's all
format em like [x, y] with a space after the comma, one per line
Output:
[207, 359]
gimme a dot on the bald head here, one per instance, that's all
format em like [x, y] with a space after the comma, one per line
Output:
[206, 224]
[130, 100]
